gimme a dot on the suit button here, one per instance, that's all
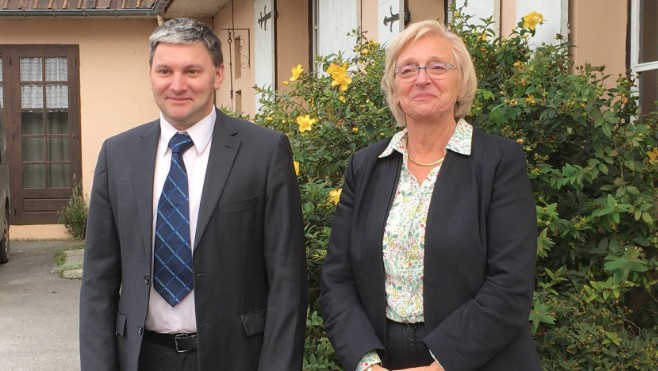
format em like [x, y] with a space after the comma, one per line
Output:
[140, 329]
[147, 279]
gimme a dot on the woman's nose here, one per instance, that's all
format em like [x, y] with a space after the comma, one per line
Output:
[422, 77]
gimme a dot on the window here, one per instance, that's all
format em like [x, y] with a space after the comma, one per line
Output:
[40, 91]
[333, 20]
[644, 51]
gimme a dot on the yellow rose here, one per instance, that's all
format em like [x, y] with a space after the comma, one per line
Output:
[339, 76]
[305, 122]
[653, 156]
[296, 165]
[296, 72]
[334, 195]
[532, 19]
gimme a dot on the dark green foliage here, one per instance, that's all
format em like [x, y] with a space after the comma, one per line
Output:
[594, 172]
[74, 215]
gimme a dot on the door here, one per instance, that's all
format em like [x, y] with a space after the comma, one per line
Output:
[41, 92]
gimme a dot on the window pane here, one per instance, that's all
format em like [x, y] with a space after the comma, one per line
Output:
[58, 122]
[648, 91]
[31, 122]
[59, 175]
[58, 149]
[32, 96]
[57, 96]
[56, 69]
[31, 69]
[34, 176]
[33, 149]
[648, 31]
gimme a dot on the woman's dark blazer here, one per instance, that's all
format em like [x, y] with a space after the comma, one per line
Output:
[480, 253]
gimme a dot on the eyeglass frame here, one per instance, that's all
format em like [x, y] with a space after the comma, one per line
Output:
[449, 67]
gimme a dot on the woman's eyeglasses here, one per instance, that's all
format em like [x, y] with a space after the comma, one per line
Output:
[434, 70]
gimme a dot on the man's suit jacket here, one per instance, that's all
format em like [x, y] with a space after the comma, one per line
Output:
[480, 252]
[249, 258]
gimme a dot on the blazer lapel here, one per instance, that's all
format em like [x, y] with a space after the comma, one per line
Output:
[143, 169]
[223, 149]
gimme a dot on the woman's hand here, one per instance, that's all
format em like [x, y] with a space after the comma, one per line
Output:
[433, 367]
[377, 367]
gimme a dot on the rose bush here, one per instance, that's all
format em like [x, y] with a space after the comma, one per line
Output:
[593, 166]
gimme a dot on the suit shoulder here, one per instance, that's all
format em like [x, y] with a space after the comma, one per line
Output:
[374, 149]
[484, 142]
[136, 132]
[492, 150]
[250, 128]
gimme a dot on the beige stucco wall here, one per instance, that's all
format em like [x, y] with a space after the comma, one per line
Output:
[115, 93]
[598, 32]
[421, 10]
[369, 19]
[292, 38]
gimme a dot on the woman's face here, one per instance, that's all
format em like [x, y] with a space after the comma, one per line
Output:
[426, 96]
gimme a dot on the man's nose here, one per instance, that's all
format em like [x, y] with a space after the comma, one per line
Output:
[178, 82]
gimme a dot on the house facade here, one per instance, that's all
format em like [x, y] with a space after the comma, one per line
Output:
[74, 72]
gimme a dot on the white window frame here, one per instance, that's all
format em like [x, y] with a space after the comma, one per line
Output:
[636, 66]
[347, 50]
[495, 7]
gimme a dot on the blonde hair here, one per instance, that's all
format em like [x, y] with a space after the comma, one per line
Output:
[467, 81]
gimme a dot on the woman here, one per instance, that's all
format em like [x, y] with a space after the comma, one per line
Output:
[431, 260]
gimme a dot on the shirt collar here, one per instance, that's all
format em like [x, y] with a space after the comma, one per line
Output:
[201, 132]
[459, 142]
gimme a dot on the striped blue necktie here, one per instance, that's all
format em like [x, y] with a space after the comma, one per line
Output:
[172, 265]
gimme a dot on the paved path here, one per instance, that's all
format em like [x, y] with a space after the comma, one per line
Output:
[38, 311]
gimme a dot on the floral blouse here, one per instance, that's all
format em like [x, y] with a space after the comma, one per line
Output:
[404, 235]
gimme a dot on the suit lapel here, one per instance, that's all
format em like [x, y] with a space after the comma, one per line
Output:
[223, 149]
[143, 169]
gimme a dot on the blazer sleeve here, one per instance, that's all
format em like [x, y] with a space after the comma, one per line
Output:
[285, 259]
[99, 292]
[483, 326]
[347, 325]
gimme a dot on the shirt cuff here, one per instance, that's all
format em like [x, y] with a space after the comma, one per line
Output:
[369, 359]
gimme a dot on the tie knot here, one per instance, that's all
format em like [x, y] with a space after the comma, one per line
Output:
[180, 143]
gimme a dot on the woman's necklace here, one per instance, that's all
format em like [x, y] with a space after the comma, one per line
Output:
[426, 164]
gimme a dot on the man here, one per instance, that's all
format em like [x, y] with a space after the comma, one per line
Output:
[203, 273]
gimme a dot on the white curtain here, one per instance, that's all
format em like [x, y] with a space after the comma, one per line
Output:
[45, 146]
[57, 94]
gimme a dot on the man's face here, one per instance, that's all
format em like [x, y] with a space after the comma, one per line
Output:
[184, 81]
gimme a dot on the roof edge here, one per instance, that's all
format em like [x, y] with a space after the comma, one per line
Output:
[78, 13]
